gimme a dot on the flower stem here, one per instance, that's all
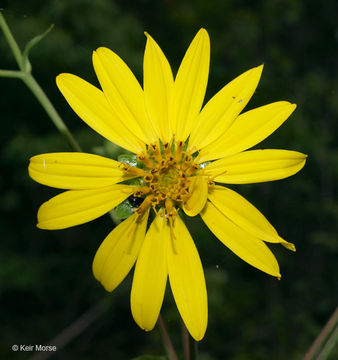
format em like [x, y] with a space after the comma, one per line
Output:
[186, 342]
[48, 106]
[26, 76]
[11, 41]
[12, 74]
[196, 350]
[166, 339]
[329, 346]
[318, 343]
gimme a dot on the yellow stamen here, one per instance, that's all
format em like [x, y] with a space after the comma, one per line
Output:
[131, 230]
[132, 170]
[211, 179]
[167, 147]
[156, 152]
[143, 207]
[145, 160]
[192, 169]
[142, 191]
[171, 214]
[179, 151]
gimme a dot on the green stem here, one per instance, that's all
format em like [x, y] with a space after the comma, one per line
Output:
[196, 350]
[12, 74]
[318, 343]
[26, 76]
[329, 346]
[185, 340]
[166, 339]
[11, 41]
[47, 105]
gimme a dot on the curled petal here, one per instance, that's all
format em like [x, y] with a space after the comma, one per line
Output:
[198, 198]
[245, 215]
[247, 247]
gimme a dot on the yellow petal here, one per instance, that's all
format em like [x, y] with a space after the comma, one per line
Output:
[91, 106]
[150, 275]
[248, 130]
[118, 252]
[158, 86]
[190, 86]
[243, 244]
[76, 207]
[123, 92]
[187, 281]
[256, 166]
[75, 170]
[198, 198]
[220, 112]
[245, 215]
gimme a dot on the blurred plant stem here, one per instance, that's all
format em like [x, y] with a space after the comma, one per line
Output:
[325, 341]
[166, 339]
[25, 74]
[75, 328]
[185, 340]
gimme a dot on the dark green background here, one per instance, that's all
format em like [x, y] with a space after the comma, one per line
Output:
[45, 276]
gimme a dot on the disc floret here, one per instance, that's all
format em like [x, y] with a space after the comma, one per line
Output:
[166, 177]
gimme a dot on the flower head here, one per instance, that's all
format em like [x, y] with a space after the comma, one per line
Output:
[182, 151]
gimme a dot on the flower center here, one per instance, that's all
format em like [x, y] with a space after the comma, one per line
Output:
[166, 176]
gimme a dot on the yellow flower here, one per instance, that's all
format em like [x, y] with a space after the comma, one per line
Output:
[183, 151]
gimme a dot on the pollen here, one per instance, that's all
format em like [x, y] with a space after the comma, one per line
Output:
[166, 175]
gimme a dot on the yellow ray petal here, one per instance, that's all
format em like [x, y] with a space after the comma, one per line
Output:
[243, 244]
[248, 130]
[91, 106]
[150, 275]
[198, 198]
[123, 92]
[76, 207]
[187, 281]
[220, 112]
[245, 215]
[118, 252]
[158, 86]
[256, 166]
[75, 170]
[190, 86]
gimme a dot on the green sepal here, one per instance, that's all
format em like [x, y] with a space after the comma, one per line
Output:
[124, 210]
[31, 43]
